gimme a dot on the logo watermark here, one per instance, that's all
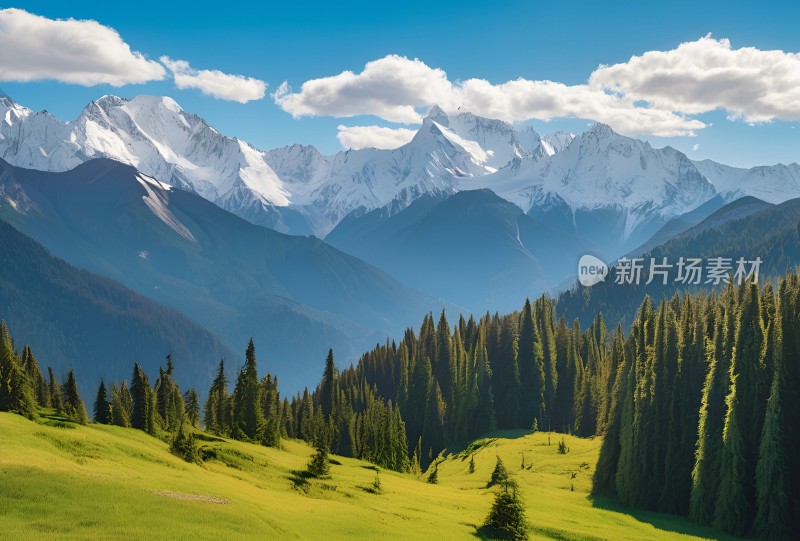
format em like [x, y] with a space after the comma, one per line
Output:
[591, 271]
[686, 270]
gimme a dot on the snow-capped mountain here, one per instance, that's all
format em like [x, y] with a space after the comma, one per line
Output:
[445, 151]
[154, 135]
[599, 175]
[603, 178]
[773, 184]
[292, 189]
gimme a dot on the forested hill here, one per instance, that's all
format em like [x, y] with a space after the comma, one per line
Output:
[771, 233]
[76, 319]
[697, 402]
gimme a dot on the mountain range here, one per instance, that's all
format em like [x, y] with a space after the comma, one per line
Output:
[473, 214]
[598, 176]
[295, 296]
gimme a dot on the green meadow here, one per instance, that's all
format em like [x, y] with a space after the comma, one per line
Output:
[59, 480]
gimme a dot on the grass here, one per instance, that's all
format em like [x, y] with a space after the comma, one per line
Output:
[103, 482]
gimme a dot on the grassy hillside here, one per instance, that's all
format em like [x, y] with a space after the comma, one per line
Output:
[60, 481]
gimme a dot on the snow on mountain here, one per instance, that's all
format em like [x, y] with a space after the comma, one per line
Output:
[296, 189]
[154, 135]
[601, 177]
[445, 151]
[773, 184]
[557, 141]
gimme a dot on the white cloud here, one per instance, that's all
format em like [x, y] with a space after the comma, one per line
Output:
[215, 83]
[709, 74]
[656, 93]
[356, 137]
[396, 88]
[547, 100]
[83, 52]
[696, 147]
[391, 88]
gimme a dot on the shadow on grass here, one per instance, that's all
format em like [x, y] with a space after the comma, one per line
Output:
[51, 417]
[662, 521]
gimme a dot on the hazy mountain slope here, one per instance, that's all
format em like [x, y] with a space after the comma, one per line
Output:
[76, 319]
[296, 295]
[771, 232]
[473, 247]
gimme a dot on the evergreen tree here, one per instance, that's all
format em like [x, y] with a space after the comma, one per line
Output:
[55, 390]
[732, 508]
[217, 408]
[319, 466]
[706, 472]
[247, 417]
[506, 518]
[192, 407]
[773, 500]
[142, 402]
[102, 407]
[36, 378]
[499, 474]
[121, 405]
[73, 405]
[328, 386]
[433, 476]
[16, 390]
[185, 446]
[506, 380]
[531, 368]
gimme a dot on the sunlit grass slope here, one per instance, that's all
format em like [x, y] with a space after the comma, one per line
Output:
[103, 482]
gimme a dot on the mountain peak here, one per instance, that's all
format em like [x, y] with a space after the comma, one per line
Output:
[601, 130]
[437, 114]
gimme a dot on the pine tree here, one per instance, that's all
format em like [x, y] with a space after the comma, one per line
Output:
[16, 389]
[328, 386]
[73, 405]
[544, 318]
[247, 417]
[773, 500]
[433, 476]
[192, 407]
[142, 403]
[499, 474]
[505, 375]
[506, 518]
[217, 408]
[732, 508]
[121, 405]
[708, 455]
[185, 446]
[35, 376]
[102, 408]
[55, 390]
[531, 368]
[319, 466]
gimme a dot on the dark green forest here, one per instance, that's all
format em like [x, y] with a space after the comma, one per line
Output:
[697, 403]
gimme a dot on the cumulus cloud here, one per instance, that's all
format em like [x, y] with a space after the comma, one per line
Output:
[696, 147]
[547, 100]
[391, 88]
[82, 52]
[708, 74]
[215, 83]
[356, 137]
[395, 88]
[657, 93]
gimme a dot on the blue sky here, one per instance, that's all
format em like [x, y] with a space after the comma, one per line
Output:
[534, 40]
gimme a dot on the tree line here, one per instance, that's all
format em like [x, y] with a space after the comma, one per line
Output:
[703, 420]
[697, 402]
